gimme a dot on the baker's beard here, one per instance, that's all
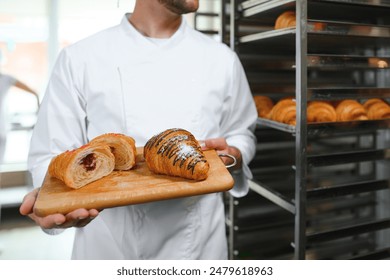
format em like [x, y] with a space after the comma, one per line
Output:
[181, 6]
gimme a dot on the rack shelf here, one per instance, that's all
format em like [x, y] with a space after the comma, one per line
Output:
[380, 3]
[273, 196]
[348, 231]
[342, 190]
[347, 93]
[379, 254]
[318, 62]
[318, 129]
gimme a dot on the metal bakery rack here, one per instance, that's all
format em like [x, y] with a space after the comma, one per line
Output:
[320, 191]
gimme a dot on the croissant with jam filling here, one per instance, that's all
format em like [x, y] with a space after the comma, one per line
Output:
[122, 146]
[176, 152]
[81, 166]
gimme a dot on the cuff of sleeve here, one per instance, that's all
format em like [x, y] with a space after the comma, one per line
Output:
[246, 148]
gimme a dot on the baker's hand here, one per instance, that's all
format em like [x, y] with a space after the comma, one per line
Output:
[221, 146]
[76, 218]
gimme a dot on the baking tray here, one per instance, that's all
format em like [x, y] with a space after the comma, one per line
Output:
[327, 128]
[138, 185]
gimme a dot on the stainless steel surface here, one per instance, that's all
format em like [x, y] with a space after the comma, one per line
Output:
[329, 128]
[273, 196]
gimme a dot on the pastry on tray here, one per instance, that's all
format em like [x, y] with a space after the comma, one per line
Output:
[284, 111]
[377, 109]
[264, 105]
[176, 152]
[285, 20]
[350, 110]
[320, 111]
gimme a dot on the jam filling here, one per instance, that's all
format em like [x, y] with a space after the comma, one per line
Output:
[89, 162]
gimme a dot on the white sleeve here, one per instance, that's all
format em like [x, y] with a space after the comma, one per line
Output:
[10, 80]
[238, 125]
[61, 123]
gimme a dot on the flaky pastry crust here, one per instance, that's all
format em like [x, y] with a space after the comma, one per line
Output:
[81, 166]
[122, 146]
[320, 111]
[284, 111]
[377, 109]
[350, 110]
[176, 152]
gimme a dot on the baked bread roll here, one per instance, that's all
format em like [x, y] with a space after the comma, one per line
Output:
[286, 19]
[377, 109]
[81, 166]
[264, 105]
[284, 111]
[176, 152]
[350, 110]
[320, 111]
[122, 146]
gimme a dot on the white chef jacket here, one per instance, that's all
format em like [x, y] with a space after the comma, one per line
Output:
[6, 81]
[119, 81]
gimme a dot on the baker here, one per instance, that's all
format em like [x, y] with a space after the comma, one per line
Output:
[147, 74]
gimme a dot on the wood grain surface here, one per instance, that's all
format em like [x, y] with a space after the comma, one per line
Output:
[135, 186]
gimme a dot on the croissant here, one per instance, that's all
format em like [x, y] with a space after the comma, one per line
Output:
[264, 105]
[320, 111]
[286, 19]
[350, 110]
[176, 152]
[123, 148]
[377, 109]
[78, 167]
[284, 111]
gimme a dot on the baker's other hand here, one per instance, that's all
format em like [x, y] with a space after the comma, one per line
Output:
[222, 147]
[76, 218]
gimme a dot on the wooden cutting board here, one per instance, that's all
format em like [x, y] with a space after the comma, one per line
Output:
[135, 186]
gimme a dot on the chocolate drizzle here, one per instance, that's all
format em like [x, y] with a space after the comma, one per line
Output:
[181, 148]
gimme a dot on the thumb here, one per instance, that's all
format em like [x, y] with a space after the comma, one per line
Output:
[28, 202]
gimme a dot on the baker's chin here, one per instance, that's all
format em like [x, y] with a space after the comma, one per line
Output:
[181, 6]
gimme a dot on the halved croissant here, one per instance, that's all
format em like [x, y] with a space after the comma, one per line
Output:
[350, 110]
[122, 146]
[264, 105]
[81, 166]
[284, 111]
[320, 111]
[377, 109]
[286, 19]
[176, 152]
